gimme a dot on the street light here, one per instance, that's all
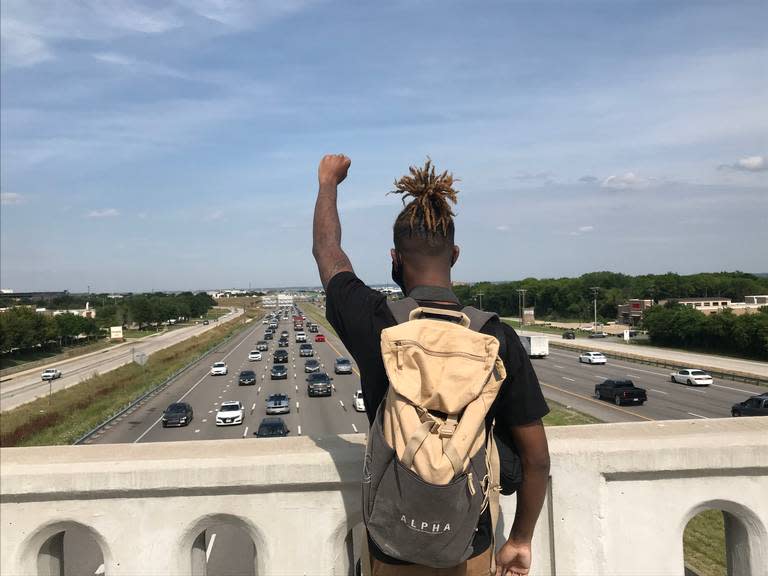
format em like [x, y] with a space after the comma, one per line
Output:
[521, 303]
[480, 296]
[595, 290]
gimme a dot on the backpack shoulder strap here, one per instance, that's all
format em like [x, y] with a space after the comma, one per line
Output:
[401, 309]
[478, 318]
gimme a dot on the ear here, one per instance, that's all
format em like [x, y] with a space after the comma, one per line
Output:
[394, 255]
[454, 255]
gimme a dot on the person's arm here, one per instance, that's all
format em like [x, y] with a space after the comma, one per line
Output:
[531, 442]
[326, 230]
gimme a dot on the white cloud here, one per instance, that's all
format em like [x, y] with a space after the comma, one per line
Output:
[11, 198]
[586, 228]
[748, 164]
[502, 228]
[626, 181]
[588, 179]
[103, 213]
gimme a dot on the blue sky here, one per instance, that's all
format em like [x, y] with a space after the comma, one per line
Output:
[174, 145]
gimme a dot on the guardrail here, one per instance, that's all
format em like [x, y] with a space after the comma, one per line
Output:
[154, 391]
[661, 362]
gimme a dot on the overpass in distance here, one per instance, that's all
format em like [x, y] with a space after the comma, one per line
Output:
[255, 496]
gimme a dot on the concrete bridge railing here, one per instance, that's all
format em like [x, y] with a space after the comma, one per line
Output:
[619, 499]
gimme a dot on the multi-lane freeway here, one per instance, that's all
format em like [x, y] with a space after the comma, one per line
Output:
[26, 386]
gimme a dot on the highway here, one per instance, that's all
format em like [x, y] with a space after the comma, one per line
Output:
[27, 386]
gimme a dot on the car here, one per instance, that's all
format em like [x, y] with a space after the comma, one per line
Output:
[219, 369]
[319, 384]
[51, 374]
[284, 334]
[621, 392]
[262, 345]
[246, 378]
[271, 427]
[312, 365]
[268, 336]
[280, 357]
[342, 366]
[313, 328]
[593, 358]
[301, 337]
[569, 335]
[205, 322]
[254, 356]
[691, 377]
[177, 414]
[320, 338]
[306, 350]
[278, 404]
[230, 413]
[599, 335]
[754, 406]
[358, 401]
[282, 344]
[278, 372]
[265, 321]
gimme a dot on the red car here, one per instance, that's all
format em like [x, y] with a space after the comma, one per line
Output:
[320, 338]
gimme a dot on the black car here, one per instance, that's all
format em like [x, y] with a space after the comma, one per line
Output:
[621, 392]
[599, 335]
[319, 384]
[306, 350]
[262, 346]
[284, 334]
[205, 322]
[272, 427]
[755, 406]
[569, 335]
[268, 336]
[282, 343]
[280, 357]
[177, 414]
[246, 378]
[312, 365]
[278, 372]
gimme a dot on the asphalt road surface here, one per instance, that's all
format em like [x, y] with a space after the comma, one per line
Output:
[27, 386]
[563, 379]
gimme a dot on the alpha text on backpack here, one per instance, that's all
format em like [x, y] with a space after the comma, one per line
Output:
[431, 467]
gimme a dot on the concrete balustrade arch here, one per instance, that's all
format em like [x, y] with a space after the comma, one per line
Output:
[42, 553]
[746, 536]
[347, 543]
[191, 555]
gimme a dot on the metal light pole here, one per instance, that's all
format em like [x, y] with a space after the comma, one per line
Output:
[480, 296]
[595, 290]
[521, 303]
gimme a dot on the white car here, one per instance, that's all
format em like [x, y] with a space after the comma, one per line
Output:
[593, 358]
[230, 413]
[219, 369]
[301, 337]
[358, 401]
[51, 374]
[692, 377]
[254, 355]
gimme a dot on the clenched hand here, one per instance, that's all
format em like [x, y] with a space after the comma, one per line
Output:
[513, 559]
[333, 169]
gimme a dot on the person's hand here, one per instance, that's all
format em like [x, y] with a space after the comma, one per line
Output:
[513, 559]
[333, 169]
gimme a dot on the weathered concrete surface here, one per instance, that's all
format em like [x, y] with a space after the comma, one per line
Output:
[620, 497]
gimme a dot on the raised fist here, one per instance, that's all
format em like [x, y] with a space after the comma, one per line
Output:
[333, 169]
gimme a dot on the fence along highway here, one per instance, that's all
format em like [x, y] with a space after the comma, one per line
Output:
[563, 380]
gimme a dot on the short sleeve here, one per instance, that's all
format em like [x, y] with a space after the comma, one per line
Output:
[350, 308]
[520, 400]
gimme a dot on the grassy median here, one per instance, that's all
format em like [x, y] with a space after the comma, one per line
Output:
[70, 413]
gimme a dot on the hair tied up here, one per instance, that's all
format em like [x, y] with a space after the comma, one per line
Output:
[430, 195]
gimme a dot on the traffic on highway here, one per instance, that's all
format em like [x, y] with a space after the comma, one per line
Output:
[288, 376]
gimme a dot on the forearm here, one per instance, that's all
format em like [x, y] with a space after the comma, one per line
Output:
[326, 235]
[530, 498]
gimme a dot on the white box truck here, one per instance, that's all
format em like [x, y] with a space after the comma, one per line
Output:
[536, 346]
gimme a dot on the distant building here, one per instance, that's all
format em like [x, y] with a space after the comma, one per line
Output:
[285, 299]
[713, 305]
[760, 300]
[631, 312]
[529, 316]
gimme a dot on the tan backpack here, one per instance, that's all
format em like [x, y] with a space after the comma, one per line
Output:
[431, 465]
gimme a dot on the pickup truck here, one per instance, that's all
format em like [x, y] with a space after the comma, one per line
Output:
[51, 374]
[621, 392]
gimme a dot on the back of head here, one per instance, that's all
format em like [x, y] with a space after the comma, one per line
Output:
[424, 229]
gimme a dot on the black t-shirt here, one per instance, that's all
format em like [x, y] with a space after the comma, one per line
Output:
[359, 314]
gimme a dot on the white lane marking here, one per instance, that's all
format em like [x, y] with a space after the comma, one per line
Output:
[599, 377]
[210, 547]
[695, 390]
[210, 411]
[219, 397]
[253, 407]
[297, 387]
[259, 390]
[341, 403]
[205, 419]
[569, 379]
[197, 431]
[297, 405]
[245, 432]
[646, 371]
[698, 415]
[195, 386]
[556, 366]
[99, 570]
[730, 388]
[354, 427]
[299, 427]
[659, 391]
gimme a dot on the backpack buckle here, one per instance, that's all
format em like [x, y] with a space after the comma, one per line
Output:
[446, 429]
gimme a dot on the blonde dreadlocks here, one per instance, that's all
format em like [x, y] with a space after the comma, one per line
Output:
[428, 217]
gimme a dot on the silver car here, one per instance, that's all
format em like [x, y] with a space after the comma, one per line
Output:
[278, 404]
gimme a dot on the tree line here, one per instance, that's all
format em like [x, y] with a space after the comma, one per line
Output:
[572, 298]
[21, 328]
